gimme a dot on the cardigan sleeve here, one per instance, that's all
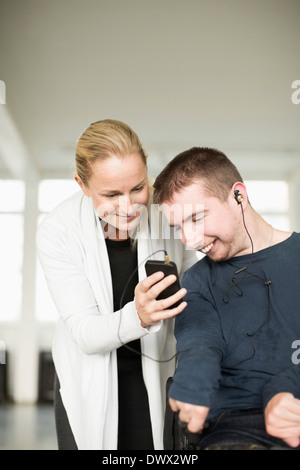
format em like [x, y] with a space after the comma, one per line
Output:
[93, 330]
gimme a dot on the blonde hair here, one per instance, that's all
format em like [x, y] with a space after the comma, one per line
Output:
[104, 139]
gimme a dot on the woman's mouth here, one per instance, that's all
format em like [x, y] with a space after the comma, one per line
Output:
[128, 218]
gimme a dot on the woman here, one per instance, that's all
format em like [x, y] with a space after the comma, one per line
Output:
[92, 249]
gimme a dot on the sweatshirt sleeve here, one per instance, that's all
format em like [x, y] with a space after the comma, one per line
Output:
[286, 381]
[93, 329]
[200, 348]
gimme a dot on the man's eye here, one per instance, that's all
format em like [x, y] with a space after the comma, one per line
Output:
[198, 219]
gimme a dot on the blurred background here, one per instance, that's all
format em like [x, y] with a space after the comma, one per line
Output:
[182, 73]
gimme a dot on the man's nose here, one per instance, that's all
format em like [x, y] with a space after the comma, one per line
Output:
[192, 237]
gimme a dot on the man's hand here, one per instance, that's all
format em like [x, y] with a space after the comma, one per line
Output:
[282, 417]
[151, 310]
[193, 415]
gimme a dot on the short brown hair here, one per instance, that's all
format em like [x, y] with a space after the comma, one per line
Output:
[199, 163]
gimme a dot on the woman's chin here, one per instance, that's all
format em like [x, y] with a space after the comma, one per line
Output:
[122, 229]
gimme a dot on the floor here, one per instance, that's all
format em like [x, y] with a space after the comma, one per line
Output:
[27, 427]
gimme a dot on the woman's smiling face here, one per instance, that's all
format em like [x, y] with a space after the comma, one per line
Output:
[119, 189]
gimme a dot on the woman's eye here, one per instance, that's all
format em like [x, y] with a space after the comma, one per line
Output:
[138, 189]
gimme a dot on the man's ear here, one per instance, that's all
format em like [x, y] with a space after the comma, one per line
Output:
[239, 193]
[83, 187]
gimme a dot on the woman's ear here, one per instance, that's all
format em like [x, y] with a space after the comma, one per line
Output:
[83, 187]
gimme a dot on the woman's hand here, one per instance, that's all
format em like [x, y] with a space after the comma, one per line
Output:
[151, 310]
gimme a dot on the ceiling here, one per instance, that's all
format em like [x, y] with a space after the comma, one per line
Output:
[181, 73]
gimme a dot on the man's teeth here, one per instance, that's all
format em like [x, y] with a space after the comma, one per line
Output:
[207, 248]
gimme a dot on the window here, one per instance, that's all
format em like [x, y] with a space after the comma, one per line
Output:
[51, 193]
[271, 200]
[12, 202]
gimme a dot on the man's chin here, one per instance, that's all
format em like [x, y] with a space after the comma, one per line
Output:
[215, 257]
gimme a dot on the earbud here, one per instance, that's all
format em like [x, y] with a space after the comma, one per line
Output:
[238, 196]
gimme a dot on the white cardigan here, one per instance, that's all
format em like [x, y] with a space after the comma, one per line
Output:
[73, 255]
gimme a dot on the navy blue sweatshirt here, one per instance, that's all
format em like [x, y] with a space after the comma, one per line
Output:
[237, 338]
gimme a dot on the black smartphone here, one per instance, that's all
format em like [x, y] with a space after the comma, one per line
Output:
[152, 266]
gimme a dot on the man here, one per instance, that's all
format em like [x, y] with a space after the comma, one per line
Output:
[237, 379]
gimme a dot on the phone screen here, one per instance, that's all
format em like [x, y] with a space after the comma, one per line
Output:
[152, 266]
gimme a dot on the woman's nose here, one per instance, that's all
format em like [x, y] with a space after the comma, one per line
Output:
[125, 204]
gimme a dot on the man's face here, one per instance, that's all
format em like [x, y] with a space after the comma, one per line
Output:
[205, 223]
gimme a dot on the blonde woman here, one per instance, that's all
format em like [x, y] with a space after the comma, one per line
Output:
[92, 249]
